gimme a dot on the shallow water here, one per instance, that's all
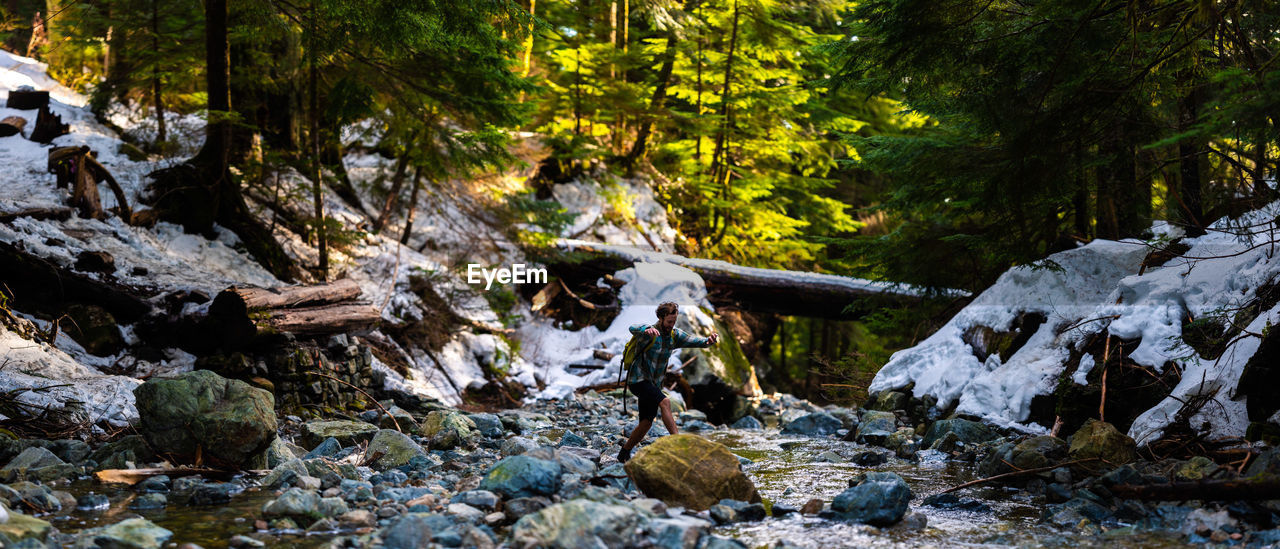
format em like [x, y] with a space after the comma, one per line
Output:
[792, 476]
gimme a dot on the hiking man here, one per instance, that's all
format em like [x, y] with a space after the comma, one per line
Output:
[650, 365]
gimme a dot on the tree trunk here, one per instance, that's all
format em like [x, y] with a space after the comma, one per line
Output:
[655, 104]
[397, 183]
[161, 136]
[317, 174]
[1108, 188]
[412, 207]
[1190, 152]
[719, 169]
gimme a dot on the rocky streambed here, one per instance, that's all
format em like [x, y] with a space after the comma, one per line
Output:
[544, 475]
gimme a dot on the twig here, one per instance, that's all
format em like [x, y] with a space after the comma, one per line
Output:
[1018, 473]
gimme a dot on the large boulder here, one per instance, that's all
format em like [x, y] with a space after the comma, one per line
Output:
[819, 424]
[523, 476]
[690, 471]
[1098, 439]
[878, 499]
[579, 523]
[203, 416]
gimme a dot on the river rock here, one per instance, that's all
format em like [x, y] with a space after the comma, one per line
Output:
[396, 449]
[749, 423]
[1102, 440]
[412, 530]
[519, 507]
[294, 503]
[448, 429]
[878, 499]
[31, 459]
[226, 422]
[515, 446]
[818, 424]
[1034, 452]
[889, 401]
[523, 476]
[489, 425]
[690, 471]
[1071, 513]
[679, 532]
[134, 533]
[347, 433]
[20, 527]
[579, 523]
[966, 431]
[875, 427]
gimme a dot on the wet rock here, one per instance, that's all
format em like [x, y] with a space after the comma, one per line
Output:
[1266, 462]
[285, 474]
[489, 425]
[148, 502]
[1074, 511]
[1197, 468]
[347, 433]
[812, 507]
[93, 502]
[1101, 440]
[1038, 451]
[389, 449]
[523, 476]
[681, 532]
[875, 427]
[225, 422]
[717, 542]
[818, 424]
[159, 484]
[878, 499]
[829, 457]
[749, 423]
[870, 459]
[240, 541]
[294, 503]
[690, 471]
[128, 449]
[899, 438]
[30, 460]
[579, 523]
[952, 501]
[134, 533]
[728, 511]
[699, 427]
[412, 530]
[968, 432]
[214, 494]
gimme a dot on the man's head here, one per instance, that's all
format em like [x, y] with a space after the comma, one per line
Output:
[668, 312]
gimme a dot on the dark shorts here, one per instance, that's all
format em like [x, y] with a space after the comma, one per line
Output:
[649, 396]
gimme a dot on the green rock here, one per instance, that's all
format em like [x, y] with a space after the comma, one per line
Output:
[690, 471]
[20, 527]
[1097, 439]
[876, 426]
[1197, 468]
[889, 401]
[134, 533]
[1039, 451]
[396, 449]
[580, 523]
[348, 433]
[448, 429]
[31, 458]
[966, 431]
[200, 414]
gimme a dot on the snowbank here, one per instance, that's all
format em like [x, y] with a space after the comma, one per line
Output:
[1099, 289]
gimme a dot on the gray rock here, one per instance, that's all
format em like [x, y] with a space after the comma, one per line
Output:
[819, 424]
[749, 423]
[134, 533]
[571, 439]
[328, 448]
[968, 432]
[31, 458]
[412, 530]
[682, 532]
[147, 502]
[523, 476]
[875, 427]
[295, 503]
[480, 499]
[489, 425]
[580, 523]
[515, 446]
[393, 447]
[519, 507]
[227, 422]
[878, 499]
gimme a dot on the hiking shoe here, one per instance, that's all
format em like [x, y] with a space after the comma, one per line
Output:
[624, 455]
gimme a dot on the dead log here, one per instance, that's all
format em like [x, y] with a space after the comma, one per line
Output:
[48, 126]
[59, 214]
[76, 167]
[12, 125]
[27, 100]
[238, 315]
[134, 476]
[1260, 488]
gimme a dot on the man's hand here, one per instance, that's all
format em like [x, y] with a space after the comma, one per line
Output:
[651, 332]
[714, 338]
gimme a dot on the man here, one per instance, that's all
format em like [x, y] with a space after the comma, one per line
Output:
[650, 366]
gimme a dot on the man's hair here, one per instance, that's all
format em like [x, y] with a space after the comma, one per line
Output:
[667, 308]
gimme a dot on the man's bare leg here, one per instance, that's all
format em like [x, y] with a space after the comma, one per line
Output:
[667, 420]
[637, 435]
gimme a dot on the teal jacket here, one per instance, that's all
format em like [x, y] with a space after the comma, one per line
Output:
[651, 364]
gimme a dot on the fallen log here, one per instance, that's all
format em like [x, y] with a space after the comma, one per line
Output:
[1264, 487]
[27, 100]
[76, 167]
[59, 214]
[134, 476]
[323, 319]
[12, 125]
[292, 296]
[237, 315]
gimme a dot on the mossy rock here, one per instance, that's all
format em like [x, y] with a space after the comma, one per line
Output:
[1098, 439]
[95, 329]
[20, 527]
[690, 471]
[348, 433]
[201, 416]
